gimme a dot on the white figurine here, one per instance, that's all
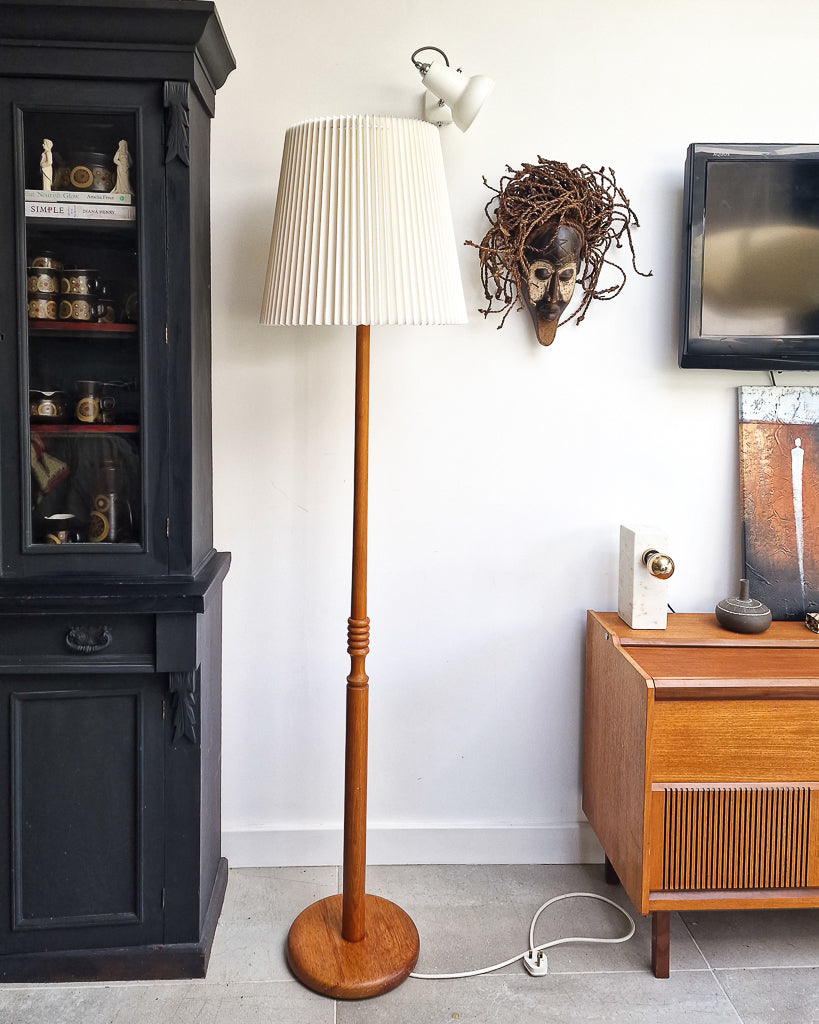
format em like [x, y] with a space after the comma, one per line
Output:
[46, 165]
[122, 159]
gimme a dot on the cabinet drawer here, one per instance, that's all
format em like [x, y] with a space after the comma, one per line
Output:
[77, 643]
[735, 741]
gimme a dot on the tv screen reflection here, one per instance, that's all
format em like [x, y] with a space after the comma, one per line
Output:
[761, 254]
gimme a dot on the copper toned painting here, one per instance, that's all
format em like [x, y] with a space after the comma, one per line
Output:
[779, 491]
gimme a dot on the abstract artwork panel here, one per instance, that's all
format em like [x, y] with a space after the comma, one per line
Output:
[779, 494]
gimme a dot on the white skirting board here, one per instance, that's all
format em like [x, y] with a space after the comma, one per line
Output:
[514, 844]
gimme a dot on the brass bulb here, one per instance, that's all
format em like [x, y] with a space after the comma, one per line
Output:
[658, 564]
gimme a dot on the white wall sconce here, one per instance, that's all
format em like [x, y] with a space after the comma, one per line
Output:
[451, 96]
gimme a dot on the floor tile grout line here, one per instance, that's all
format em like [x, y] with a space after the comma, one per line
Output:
[718, 983]
[69, 987]
[771, 967]
[631, 970]
[730, 1000]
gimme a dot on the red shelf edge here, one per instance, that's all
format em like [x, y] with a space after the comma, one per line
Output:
[84, 428]
[72, 325]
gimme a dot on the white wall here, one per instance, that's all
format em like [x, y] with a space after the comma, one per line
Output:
[500, 471]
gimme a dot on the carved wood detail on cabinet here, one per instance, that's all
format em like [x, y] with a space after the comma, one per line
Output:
[177, 140]
[182, 686]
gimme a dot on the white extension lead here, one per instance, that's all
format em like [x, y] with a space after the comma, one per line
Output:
[534, 959]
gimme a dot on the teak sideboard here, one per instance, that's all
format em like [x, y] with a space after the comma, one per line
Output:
[701, 765]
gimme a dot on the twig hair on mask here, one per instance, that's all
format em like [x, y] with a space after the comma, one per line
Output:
[544, 196]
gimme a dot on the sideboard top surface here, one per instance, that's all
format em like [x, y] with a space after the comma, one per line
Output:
[694, 658]
[701, 629]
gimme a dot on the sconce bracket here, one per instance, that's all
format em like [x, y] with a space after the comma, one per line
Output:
[436, 111]
[423, 68]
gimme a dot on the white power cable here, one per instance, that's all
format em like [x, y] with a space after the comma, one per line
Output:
[532, 956]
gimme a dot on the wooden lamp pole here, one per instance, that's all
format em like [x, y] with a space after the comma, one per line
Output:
[355, 945]
[358, 639]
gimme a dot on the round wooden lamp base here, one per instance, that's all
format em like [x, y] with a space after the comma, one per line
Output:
[327, 963]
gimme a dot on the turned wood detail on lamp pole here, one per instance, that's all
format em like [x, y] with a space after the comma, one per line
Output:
[362, 235]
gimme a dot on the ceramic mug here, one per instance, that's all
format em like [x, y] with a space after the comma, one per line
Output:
[110, 520]
[82, 308]
[47, 259]
[43, 281]
[46, 406]
[79, 282]
[92, 406]
[61, 529]
[42, 307]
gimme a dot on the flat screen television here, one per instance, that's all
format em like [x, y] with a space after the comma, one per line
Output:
[750, 269]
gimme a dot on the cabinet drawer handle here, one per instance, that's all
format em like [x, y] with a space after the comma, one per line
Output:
[83, 640]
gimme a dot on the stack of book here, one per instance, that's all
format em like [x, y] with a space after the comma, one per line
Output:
[79, 205]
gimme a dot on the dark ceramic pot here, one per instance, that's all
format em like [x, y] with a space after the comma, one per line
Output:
[743, 614]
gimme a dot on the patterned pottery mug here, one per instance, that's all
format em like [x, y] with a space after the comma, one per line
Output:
[92, 406]
[46, 406]
[82, 308]
[42, 307]
[110, 521]
[61, 528]
[47, 259]
[43, 281]
[79, 282]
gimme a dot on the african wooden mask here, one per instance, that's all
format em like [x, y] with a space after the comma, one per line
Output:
[548, 274]
[551, 227]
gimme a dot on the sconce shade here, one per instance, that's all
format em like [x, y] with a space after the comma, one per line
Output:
[464, 96]
[362, 232]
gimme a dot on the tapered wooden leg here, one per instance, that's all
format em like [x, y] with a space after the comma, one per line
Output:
[660, 942]
[355, 945]
[610, 874]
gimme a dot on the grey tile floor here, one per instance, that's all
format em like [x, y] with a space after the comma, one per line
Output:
[751, 967]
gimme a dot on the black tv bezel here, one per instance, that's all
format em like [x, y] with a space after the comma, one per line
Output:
[730, 352]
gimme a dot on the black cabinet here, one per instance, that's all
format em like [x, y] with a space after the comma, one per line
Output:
[110, 587]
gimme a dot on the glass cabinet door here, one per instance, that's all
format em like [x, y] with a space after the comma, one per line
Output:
[83, 367]
[91, 283]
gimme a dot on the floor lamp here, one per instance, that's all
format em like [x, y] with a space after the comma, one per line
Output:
[362, 236]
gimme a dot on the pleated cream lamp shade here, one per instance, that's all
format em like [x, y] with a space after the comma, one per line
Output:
[362, 235]
[363, 231]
